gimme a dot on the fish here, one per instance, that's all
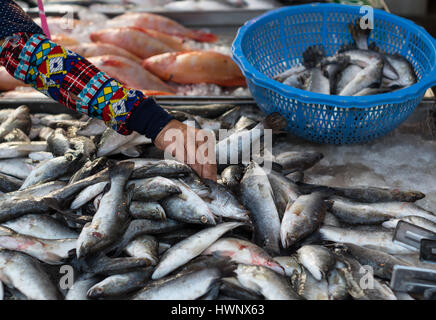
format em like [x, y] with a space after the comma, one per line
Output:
[223, 203]
[79, 289]
[243, 252]
[195, 67]
[366, 194]
[18, 167]
[147, 210]
[285, 191]
[232, 288]
[302, 218]
[51, 170]
[26, 274]
[381, 263]
[112, 214]
[311, 288]
[191, 247]
[161, 24]
[144, 247]
[406, 74]
[93, 127]
[298, 161]
[240, 146]
[135, 40]
[154, 189]
[266, 282]
[96, 49]
[368, 77]
[58, 143]
[188, 207]
[257, 196]
[51, 251]
[119, 284]
[18, 119]
[88, 194]
[20, 149]
[346, 76]
[375, 213]
[318, 260]
[207, 111]
[111, 141]
[129, 73]
[41, 226]
[88, 169]
[380, 240]
[40, 156]
[337, 284]
[9, 183]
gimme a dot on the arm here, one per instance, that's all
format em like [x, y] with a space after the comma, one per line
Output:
[73, 81]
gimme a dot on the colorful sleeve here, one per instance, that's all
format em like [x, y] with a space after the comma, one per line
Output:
[73, 81]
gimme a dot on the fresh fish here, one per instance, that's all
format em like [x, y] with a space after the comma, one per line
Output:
[404, 69]
[162, 24]
[40, 156]
[298, 161]
[144, 247]
[239, 145]
[317, 82]
[245, 252]
[130, 73]
[147, 210]
[224, 204]
[88, 194]
[58, 143]
[195, 67]
[40, 226]
[381, 263]
[369, 76]
[120, 284]
[154, 189]
[188, 207]
[331, 220]
[346, 76]
[88, 50]
[16, 135]
[292, 267]
[93, 127]
[100, 264]
[88, 169]
[17, 119]
[371, 239]
[337, 284]
[9, 183]
[352, 273]
[366, 194]
[266, 282]
[164, 168]
[311, 288]
[376, 213]
[184, 286]
[207, 111]
[190, 248]
[318, 260]
[51, 170]
[46, 250]
[20, 149]
[25, 273]
[285, 191]
[108, 222]
[257, 196]
[359, 35]
[231, 287]
[79, 290]
[18, 167]
[302, 218]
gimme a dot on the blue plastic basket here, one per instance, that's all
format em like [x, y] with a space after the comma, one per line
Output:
[275, 41]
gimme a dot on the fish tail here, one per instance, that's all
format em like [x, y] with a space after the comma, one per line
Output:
[313, 56]
[357, 32]
[122, 169]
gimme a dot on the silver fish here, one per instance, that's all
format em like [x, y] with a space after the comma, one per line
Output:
[190, 248]
[79, 290]
[144, 247]
[147, 210]
[257, 196]
[416, 220]
[25, 273]
[318, 260]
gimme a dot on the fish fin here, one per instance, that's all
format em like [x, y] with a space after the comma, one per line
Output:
[275, 121]
[313, 56]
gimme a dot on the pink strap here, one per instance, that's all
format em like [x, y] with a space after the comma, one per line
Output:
[44, 24]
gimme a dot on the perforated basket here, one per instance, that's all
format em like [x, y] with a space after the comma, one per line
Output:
[275, 41]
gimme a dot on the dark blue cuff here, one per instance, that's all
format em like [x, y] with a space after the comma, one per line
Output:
[13, 20]
[148, 119]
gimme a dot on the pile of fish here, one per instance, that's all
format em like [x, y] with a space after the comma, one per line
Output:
[358, 69]
[126, 223]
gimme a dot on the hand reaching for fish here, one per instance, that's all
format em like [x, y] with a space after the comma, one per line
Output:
[190, 145]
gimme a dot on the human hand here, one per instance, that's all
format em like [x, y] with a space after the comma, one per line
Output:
[190, 145]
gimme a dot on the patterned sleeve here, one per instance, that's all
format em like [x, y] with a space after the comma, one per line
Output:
[76, 83]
